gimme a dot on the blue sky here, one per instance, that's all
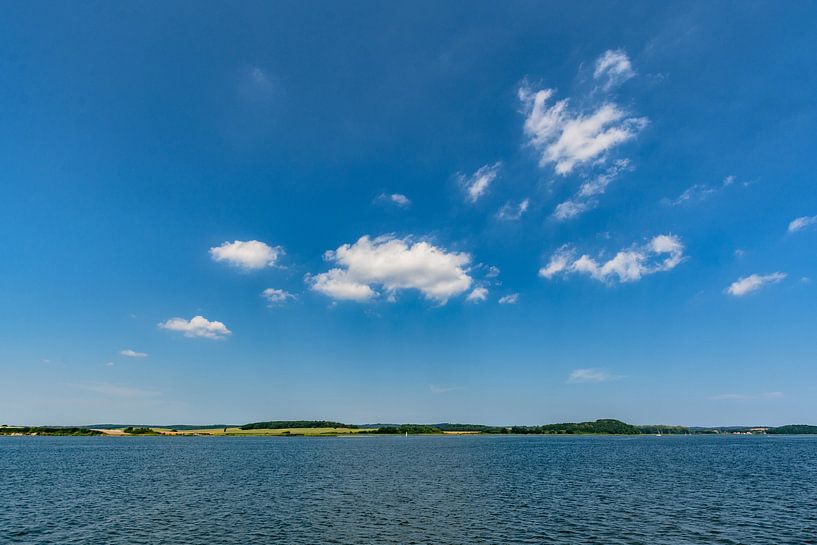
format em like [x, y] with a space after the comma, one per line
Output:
[517, 213]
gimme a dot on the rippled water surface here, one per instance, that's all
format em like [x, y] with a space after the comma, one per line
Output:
[441, 490]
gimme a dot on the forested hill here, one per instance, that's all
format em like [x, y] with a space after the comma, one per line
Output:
[295, 424]
[606, 426]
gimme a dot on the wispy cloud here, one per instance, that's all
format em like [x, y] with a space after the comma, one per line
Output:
[699, 192]
[591, 374]
[197, 326]
[801, 223]
[510, 299]
[661, 253]
[444, 389]
[747, 284]
[511, 211]
[747, 397]
[477, 184]
[568, 138]
[128, 353]
[612, 68]
[586, 198]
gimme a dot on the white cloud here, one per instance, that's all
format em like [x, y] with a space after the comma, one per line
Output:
[493, 272]
[397, 199]
[251, 254]
[394, 264]
[661, 253]
[567, 138]
[613, 67]
[198, 326]
[128, 353]
[511, 299]
[801, 223]
[477, 184]
[590, 375]
[109, 364]
[747, 397]
[510, 211]
[477, 295]
[275, 296]
[753, 282]
[570, 209]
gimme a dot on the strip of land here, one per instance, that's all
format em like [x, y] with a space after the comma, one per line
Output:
[325, 428]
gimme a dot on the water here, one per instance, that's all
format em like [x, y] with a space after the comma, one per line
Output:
[440, 490]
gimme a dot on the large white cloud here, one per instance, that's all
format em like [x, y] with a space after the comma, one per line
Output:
[477, 184]
[197, 326]
[753, 282]
[567, 138]
[661, 253]
[394, 264]
[251, 254]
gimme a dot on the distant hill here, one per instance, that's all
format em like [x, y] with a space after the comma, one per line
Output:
[794, 429]
[286, 424]
[607, 426]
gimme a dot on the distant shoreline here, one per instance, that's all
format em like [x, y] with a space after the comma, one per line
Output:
[321, 428]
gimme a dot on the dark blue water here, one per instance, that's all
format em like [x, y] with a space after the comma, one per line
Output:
[441, 490]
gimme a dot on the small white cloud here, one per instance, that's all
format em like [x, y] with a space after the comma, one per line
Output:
[590, 375]
[397, 199]
[493, 272]
[661, 253]
[802, 222]
[753, 282]
[275, 296]
[109, 364]
[251, 255]
[571, 208]
[511, 211]
[510, 299]
[395, 264]
[128, 353]
[747, 397]
[613, 67]
[198, 326]
[567, 138]
[477, 184]
[477, 295]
